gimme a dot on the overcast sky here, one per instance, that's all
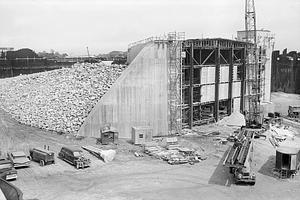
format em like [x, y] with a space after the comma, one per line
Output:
[105, 25]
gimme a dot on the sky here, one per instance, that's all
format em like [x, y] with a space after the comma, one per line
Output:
[105, 25]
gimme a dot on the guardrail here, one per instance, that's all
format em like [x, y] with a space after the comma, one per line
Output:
[170, 36]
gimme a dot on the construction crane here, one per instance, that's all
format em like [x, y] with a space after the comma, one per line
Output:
[239, 158]
[254, 118]
[88, 52]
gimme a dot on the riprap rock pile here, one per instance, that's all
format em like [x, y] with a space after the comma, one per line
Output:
[57, 100]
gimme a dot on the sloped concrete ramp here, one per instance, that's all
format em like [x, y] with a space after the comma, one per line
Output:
[138, 97]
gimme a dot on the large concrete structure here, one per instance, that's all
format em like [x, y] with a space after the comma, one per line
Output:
[265, 45]
[173, 83]
[138, 98]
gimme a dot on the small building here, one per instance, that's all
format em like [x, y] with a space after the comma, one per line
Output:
[109, 134]
[287, 160]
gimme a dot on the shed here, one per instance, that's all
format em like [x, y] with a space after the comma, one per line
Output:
[287, 158]
[109, 134]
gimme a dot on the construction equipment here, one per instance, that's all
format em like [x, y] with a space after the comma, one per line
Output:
[43, 156]
[294, 111]
[239, 157]
[105, 155]
[253, 119]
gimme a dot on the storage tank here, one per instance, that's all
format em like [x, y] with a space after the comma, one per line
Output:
[287, 158]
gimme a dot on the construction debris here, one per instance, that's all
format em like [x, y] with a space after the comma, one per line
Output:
[281, 133]
[235, 119]
[138, 154]
[106, 155]
[57, 100]
[213, 133]
[173, 153]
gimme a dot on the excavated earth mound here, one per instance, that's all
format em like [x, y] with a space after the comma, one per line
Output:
[57, 100]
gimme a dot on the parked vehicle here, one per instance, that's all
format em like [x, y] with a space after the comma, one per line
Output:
[294, 111]
[19, 159]
[9, 192]
[7, 170]
[43, 156]
[74, 156]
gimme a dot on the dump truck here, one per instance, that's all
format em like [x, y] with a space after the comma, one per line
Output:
[240, 156]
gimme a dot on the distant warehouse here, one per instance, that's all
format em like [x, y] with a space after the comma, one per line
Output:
[286, 71]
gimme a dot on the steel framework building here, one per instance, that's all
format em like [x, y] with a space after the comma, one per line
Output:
[213, 79]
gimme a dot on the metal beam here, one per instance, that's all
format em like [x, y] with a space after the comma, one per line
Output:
[224, 58]
[208, 57]
[191, 86]
[243, 82]
[230, 100]
[217, 82]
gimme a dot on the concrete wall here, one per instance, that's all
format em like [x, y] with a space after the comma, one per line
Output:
[265, 41]
[134, 51]
[138, 98]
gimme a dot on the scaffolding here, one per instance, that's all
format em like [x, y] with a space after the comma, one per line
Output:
[175, 40]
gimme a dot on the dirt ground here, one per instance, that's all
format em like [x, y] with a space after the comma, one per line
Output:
[135, 178]
[281, 102]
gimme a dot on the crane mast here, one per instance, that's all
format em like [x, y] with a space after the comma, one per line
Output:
[252, 65]
[88, 52]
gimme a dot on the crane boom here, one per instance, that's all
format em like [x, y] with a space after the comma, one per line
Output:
[252, 65]
[87, 48]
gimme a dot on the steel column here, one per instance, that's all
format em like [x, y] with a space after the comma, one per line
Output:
[243, 82]
[217, 83]
[191, 85]
[230, 84]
